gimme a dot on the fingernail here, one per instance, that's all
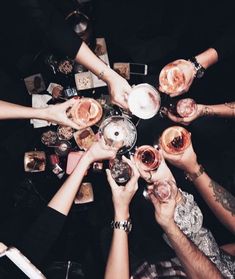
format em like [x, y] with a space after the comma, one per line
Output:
[76, 97]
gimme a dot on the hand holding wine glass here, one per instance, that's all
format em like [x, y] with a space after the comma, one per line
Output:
[164, 208]
[176, 77]
[187, 161]
[122, 195]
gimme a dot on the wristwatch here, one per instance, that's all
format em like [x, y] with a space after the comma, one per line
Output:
[125, 225]
[198, 67]
[193, 176]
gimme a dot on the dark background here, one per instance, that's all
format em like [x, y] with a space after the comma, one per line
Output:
[149, 32]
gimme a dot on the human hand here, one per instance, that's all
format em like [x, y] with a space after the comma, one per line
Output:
[3, 247]
[122, 195]
[99, 151]
[119, 89]
[176, 77]
[162, 172]
[58, 114]
[184, 120]
[187, 161]
[164, 210]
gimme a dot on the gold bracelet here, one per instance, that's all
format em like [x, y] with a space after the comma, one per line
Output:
[193, 176]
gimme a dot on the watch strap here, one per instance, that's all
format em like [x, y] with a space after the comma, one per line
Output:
[199, 69]
[125, 225]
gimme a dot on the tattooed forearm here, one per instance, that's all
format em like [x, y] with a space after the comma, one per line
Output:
[231, 106]
[223, 197]
[208, 111]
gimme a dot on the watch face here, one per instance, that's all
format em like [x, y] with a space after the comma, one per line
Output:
[200, 73]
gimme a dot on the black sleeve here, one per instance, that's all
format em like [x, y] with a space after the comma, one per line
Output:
[224, 23]
[52, 26]
[42, 235]
[225, 46]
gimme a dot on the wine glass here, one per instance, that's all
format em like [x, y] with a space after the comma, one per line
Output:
[144, 101]
[120, 170]
[118, 132]
[148, 157]
[175, 77]
[175, 139]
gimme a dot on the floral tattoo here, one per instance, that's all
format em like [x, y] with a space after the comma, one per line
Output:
[222, 196]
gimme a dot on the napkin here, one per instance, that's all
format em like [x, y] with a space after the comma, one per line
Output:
[40, 101]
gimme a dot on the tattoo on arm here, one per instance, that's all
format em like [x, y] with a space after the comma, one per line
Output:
[208, 111]
[222, 196]
[231, 106]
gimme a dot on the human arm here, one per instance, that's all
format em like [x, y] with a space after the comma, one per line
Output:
[49, 224]
[220, 110]
[118, 259]
[61, 37]
[162, 171]
[119, 88]
[196, 265]
[63, 199]
[52, 113]
[177, 77]
[221, 202]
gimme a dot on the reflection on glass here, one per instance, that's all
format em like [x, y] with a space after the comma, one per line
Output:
[186, 107]
[148, 157]
[175, 139]
[63, 147]
[175, 77]
[162, 190]
[119, 132]
[144, 101]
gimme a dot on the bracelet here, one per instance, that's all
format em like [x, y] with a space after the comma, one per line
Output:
[193, 176]
[125, 225]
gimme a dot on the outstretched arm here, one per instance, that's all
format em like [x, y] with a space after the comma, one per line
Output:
[194, 262]
[220, 110]
[48, 226]
[119, 88]
[118, 260]
[63, 199]
[52, 113]
[221, 202]
[196, 265]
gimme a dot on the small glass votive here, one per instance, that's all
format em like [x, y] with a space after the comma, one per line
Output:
[65, 132]
[34, 161]
[62, 148]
